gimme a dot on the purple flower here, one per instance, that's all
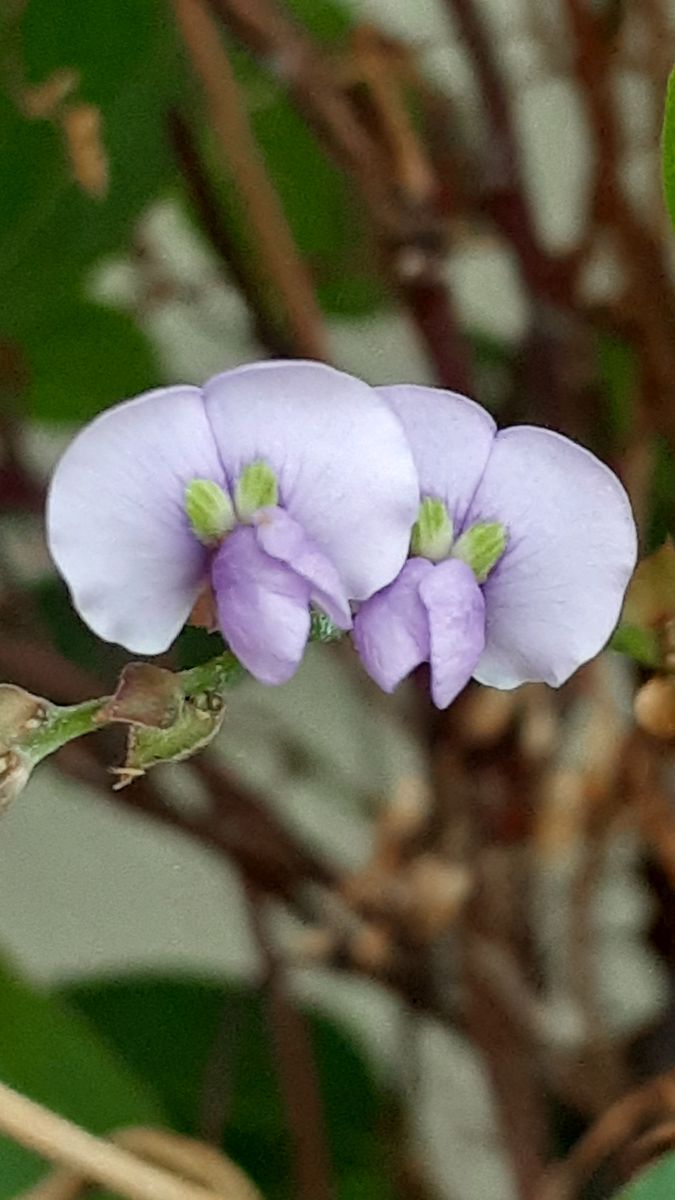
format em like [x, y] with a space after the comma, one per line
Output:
[520, 556]
[279, 485]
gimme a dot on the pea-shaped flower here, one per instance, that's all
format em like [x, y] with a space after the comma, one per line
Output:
[519, 559]
[279, 486]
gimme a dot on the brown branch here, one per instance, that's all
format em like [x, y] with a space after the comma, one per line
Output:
[242, 159]
[512, 1069]
[507, 199]
[296, 1068]
[208, 211]
[409, 228]
[646, 309]
[310, 77]
[611, 1134]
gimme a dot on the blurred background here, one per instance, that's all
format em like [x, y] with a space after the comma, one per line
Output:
[370, 950]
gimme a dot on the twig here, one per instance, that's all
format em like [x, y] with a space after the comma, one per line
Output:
[183, 1156]
[242, 160]
[296, 1068]
[208, 211]
[310, 77]
[611, 1133]
[507, 196]
[60, 1141]
[647, 304]
[409, 228]
[512, 1069]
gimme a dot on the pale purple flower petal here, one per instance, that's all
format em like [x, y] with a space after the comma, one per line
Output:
[263, 607]
[281, 537]
[116, 524]
[450, 438]
[555, 597]
[391, 630]
[344, 468]
[456, 612]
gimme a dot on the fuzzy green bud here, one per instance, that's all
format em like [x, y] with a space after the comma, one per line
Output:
[481, 547]
[432, 532]
[256, 488]
[209, 510]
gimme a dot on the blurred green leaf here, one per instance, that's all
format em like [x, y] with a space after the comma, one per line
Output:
[656, 1183]
[83, 358]
[125, 57]
[619, 376]
[668, 147]
[69, 634]
[642, 645]
[195, 646]
[167, 1030]
[326, 20]
[662, 497]
[51, 1053]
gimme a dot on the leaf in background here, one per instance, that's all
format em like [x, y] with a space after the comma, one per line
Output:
[195, 646]
[70, 635]
[83, 358]
[643, 645]
[125, 57]
[662, 498]
[166, 1030]
[50, 1052]
[668, 147]
[619, 376]
[656, 1183]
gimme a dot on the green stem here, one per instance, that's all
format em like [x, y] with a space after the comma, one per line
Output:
[62, 725]
[217, 675]
[203, 686]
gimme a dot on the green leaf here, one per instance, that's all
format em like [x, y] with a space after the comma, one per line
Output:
[167, 1029]
[83, 358]
[619, 376]
[662, 497]
[52, 1054]
[642, 645]
[50, 230]
[668, 147]
[656, 1183]
[195, 646]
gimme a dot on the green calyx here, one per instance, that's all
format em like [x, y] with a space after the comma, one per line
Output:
[209, 510]
[481, 547]
[432, 532]
[256, 488]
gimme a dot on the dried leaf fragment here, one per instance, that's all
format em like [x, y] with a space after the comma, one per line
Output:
[82, 128]
[146, 695]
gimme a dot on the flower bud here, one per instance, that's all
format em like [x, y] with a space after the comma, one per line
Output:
[432, 532]
[209, 510]
[256, 488]
[481, 547]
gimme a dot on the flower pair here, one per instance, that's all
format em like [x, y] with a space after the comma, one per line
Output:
[284, 486]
